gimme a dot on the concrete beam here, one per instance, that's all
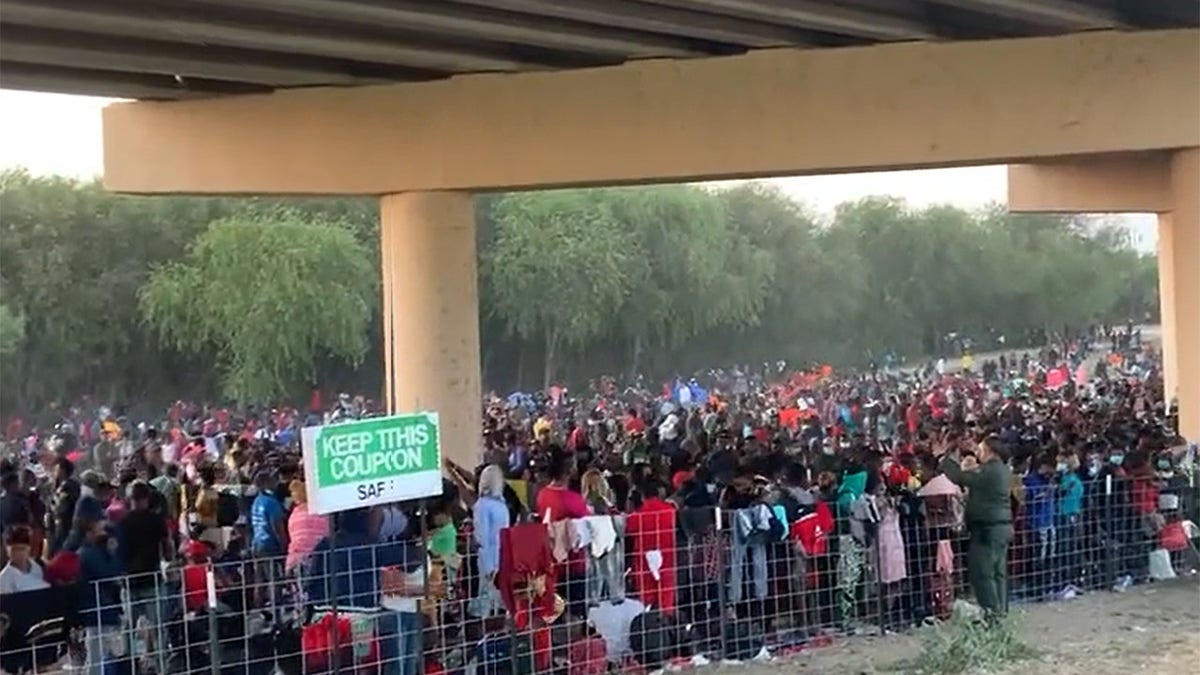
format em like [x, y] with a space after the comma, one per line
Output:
[771, 112]
[1065, 13]
[813, 15]
[1120, 183]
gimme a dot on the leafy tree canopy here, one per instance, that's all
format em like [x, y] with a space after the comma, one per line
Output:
[134, 299]
[267, 296]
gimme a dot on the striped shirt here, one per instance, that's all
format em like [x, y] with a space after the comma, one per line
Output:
[305, 531]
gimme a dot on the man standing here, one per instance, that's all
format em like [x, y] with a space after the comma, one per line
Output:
[66, 496]
[145, 544]
[988, 518]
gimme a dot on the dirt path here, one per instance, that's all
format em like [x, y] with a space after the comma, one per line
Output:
[1149, 629]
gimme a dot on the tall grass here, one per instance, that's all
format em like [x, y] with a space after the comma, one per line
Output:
[966, 644]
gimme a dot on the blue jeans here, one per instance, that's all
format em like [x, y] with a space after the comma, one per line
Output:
[1043, 577]
[400, 643]
[606, 574]
[747, 541]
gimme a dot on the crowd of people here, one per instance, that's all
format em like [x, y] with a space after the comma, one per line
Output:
[740, 512]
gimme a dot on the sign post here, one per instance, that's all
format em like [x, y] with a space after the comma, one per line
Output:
[380, 460]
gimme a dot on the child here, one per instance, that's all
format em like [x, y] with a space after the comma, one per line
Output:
[195, 577]
[443, 544]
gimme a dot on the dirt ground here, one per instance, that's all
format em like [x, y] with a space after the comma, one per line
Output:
[1149, 629]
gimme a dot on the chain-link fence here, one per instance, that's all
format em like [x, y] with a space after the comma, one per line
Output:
[628, 592]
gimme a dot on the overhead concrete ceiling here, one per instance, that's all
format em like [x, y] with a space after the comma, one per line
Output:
[176, 49]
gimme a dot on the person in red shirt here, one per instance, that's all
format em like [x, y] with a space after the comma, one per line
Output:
[651, 529]
[634, 426]
[1144, 489]
[195, 577]
[556, 503]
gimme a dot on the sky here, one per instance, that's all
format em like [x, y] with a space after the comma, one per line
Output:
[60, 134]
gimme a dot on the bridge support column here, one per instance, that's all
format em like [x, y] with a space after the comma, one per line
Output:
[431, 314]
[1179, 289]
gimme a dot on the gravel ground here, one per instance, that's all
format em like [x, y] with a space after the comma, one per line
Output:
[1149, 629]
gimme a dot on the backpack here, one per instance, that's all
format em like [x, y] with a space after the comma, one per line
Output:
[228, 509]
[494, 655]
[652, 639]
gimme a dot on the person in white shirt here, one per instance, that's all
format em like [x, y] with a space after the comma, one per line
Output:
[21, 573]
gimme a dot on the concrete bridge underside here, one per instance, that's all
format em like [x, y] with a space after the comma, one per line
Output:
[1096, 121]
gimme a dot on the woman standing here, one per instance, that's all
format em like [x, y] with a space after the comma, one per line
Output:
[490, 515]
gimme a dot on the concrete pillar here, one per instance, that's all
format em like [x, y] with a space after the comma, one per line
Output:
[1166, 304]
[431, 314]
[1179, 284]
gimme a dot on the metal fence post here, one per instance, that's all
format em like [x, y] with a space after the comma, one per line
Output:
[214, 640]
[423, 515]
[160, 636]
[722, 600]
[881, 588]
[1112, 549]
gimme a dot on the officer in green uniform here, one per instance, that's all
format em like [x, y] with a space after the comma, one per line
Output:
[988, 519]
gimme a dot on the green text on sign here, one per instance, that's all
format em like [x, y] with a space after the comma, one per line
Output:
[375, 461]
[376, 449]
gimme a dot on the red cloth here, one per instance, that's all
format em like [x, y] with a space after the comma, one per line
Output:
[563, 504]
[1173, 537]
[681, 477]
[812, 530]
[64, 568]
[577, 439]
[587, 657]
[898, 475]
[195, 586]
[524, 554]
[539, 639]
[651, 528]
[789, 418]
[317, 649]
[634, 425]
[1145, 495]
[912, 417]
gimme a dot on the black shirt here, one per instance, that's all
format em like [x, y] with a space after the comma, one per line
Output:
[15, 510]
[142, 534]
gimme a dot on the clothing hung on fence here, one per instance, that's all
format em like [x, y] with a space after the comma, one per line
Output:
[651, 530]
[612, 621]
[893, 565]
[526, 566]
[750, 531]
[705, 552]
[602, 539]
[942, 583]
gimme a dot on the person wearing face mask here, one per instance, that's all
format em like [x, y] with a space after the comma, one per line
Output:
[1118, 522]
[1068, 522]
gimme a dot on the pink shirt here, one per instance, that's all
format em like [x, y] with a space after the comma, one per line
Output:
[305, 531]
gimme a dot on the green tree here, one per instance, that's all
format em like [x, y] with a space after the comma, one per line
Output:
[654, 280]
[72, 257]
[558, 269]
[12, 331]
[269, 298]
[692, 271]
